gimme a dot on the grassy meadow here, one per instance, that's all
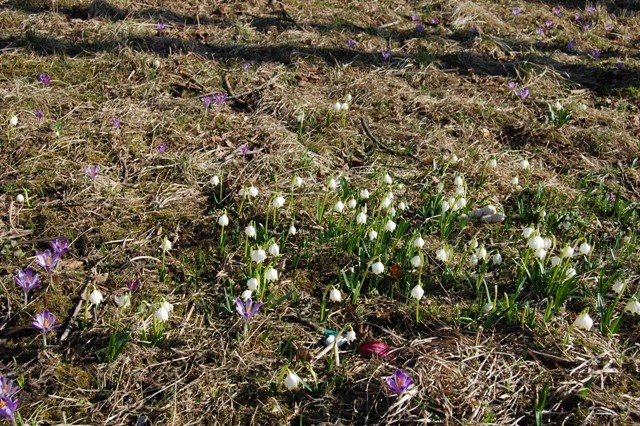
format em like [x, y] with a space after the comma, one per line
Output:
[319, 212]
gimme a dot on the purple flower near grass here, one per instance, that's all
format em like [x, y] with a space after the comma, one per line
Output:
[619, 66]
[435, 21]
[591, 10]
[8, 407]
[571, 45]
[517, 11]
[7, 389]
[556, 11]
[419, 28]
[586, 26]
[577, 16]
[513, 85]
[595, 54]
[244, 149]
[399, 382]
[246, 66]
[116, 123]
[60, 246]
[549, 23]
[220, 98]
[45, 79]
[39, 114]
[27, 280]
[47, 260]
[248, 308]
[133, 285]
[415, 18]
[386, 54]
[608, 28]
[162, 148]
[160, 27]
[351, 43]
[523, 93]
[45, 322]
[92, 171]
[540, 30]
[474, 31]
[207, 101]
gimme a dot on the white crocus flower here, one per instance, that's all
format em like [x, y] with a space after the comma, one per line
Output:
[585, 248]
[338, 206]
[361, 218]
[274, 249]
[291, 381]
[258, 256]
[377, 268]
[583, 321]
[416, 261]
[250, 231]
[223, 220]
[417, 292]
[335, 295]
[418, 242]
[373, 234]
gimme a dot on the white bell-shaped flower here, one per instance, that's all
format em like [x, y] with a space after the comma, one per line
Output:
[418, 242]
[270, 274]
[416, 261]
[515, 181]
[373, 234]
[458, 181]
[246, 295]
[442, 255]
[526, 232]
[444, 205]
[555, 261]
[278, 202]
[618, 286]
[13, 120]
[583, 321]
[161, 314]
[214, 181]
[536, 242]
[387, 179]
[95, 298]
[633, 306]
[385, 203]
[332, 184]
[496, 259]
[274, 249]
[567, 251]
[352, 203]
[377, 268]
[291, 381]
[585, 248]
[524, 164]
[390, 226]
[337, 107]
[571, 272]
[493, 163]
[250, 231]
[335, 295]
[252, 191]
[292, 230]
[258, 256]
[252, 284]
[361, 218]
[364, 194]
[351, 336]
[482, 253]
[417, 292]
[338, 206]
[223, 220]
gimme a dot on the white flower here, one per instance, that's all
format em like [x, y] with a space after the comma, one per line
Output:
[387, 179]
[250, 230]
[223, 220]
[373, 234]
[536, 242]
[292, 230]
[555, 261]
[496, 259]
[352, 203]
[557, 106]
[493, 163]
[385, 203]
[390, 225]
[526, 232]
[402, 205]
[252, 191]
[416, 261]
[417, 292]
[167, 306]
[439, 187]
[274, 249]
[344, 106]
[339, 206]
[335, 295]
[332, 184]
[246, 295]
[351, 336]
[161, 314]
[618, 286]
[570, 273]
[633, 306]
[20, 198]
[364, 194]
[337, 107]
[460, 190]
[541, 253]
[585, 248]
[488, 307]
[348, 97]
[442, 255]
[583, 321]
[252, 284]
[95, 298]
[361, 218]
[124, 301]
[418, 242]
[156, 63]
[444, 205]
[515, 181]
[524, 164]
[297, 181]
[482, 253]
[291, 381]
[270, 274]
[377, 268]
[14, 120]
[258, 256]
[214, 181]
[166, 245]
[458, 181]
[547, 243]
[278, 202]
[454, 159]
[460, 203]
[567, 251]
[473, 261]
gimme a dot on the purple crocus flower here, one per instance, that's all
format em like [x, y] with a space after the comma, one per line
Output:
[133, 285]
[92, 171]
[549, 23]
[160, 27]
[586, 26]
[248, 308]
[116, 123]
[207, 101]
[246, 66]
[571, 45]
[595, 54]
[608, 28]
[556, 11]
[619, 65]
[60, 246]
[244, 149]
[27, 280]
[8, 408]
[513, 85]
[39, 114]
[7, 390]
[386, 54]
[47, 260]
[220, 98]
[45, 322]
[577, 16]
[435, 21]
[523, 93]
[45, 79]
[162, 148]
[419, 28]
[415, 18]
[591, 9]
[517, 11]
[540, 30]
[474, 31]
[351, 43]
[399, 382]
